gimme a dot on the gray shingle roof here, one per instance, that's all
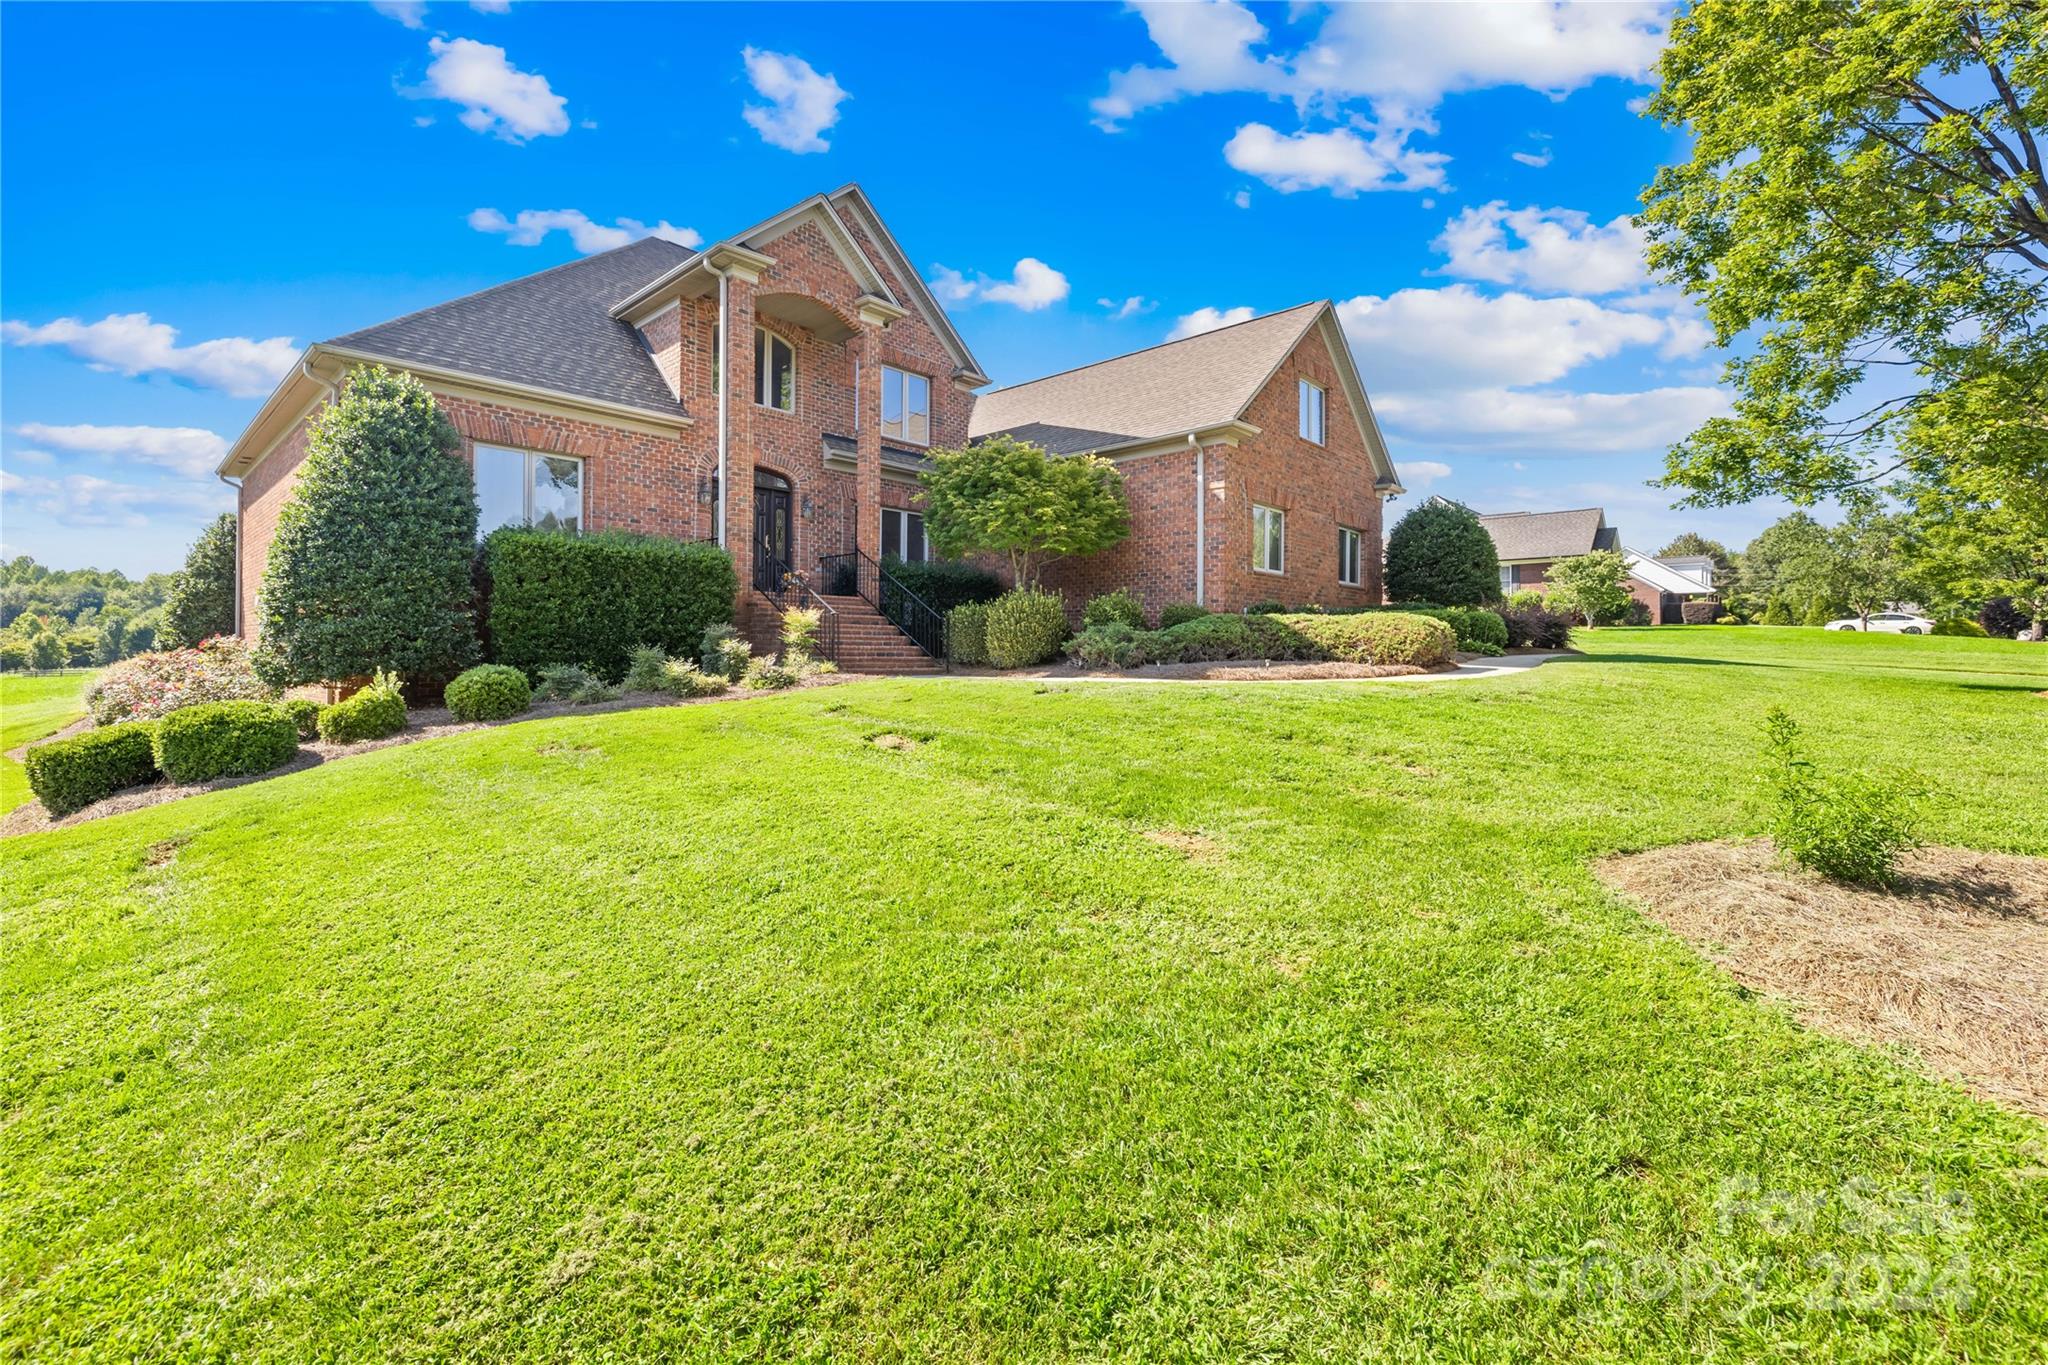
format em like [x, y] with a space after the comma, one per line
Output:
[1548, 535]
[552, 330]
[1199, 381]
[1064, 440]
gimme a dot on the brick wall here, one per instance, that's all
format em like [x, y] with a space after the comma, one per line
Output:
[263, 495]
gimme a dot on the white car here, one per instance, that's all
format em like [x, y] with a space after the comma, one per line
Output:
[1896, 622]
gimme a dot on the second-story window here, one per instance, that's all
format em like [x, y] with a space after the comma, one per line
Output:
[774, 371]
[906, 405]
[1311, 412]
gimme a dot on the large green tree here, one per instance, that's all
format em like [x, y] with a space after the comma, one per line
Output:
[1866, 197]
[1790, 559]
[202, 599]
[1865, 560]
[1008, 497]
[1594, 586]
[370, 566]
[1439, 553]
[1963, 549]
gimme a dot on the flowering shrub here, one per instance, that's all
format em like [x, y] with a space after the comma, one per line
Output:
[152, 685]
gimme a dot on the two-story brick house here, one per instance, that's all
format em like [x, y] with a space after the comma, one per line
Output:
[777, 391]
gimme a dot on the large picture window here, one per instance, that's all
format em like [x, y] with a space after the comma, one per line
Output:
[1311, 421]
[1269, 539]
[774, 371]
[520, 488]
[903, 536]
[906, 405]
[1349, 545]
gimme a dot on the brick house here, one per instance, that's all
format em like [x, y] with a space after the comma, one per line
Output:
[600, 395]
[1528, 543]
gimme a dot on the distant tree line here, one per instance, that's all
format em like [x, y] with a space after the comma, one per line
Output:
[84, 618]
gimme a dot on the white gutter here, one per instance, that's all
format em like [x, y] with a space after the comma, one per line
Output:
[1201, 512]
[724, 391]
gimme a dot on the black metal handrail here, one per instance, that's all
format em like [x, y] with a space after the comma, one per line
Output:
[791, 589]
[853, 574]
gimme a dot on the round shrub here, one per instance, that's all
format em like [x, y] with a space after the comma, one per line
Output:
[1701, 611]
[1121, 607]
[1391, 637]
[1180, 613]
[488, 692]
[1115, 645]
[1441, 553]
[373, 713]
[1025, 627]
[1536, 626]
[1960, 625]
[1479, 630]
[224, 739]
[305, 716]
[967, 634]
[70, 774]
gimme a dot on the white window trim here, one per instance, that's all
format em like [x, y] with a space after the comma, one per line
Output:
[1258, 541]
[526, 483]
[903, 534]
[1322, 436]
[766, 373]
[1357, 556]
[904, 375]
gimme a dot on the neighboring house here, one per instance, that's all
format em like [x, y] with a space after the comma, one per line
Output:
[588, 396]
[1528, 543]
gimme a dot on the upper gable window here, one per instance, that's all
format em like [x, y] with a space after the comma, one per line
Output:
[1311, 422]
[774, 371]
[906, 405]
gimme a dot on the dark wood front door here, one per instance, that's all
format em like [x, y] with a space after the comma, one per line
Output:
[771, 536]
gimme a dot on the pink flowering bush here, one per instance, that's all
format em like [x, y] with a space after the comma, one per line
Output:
[152, 685]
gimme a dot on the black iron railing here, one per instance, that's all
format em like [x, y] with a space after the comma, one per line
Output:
[791, 589]
[855, 575]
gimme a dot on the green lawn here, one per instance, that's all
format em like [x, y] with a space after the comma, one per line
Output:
[31, 707]
[721, 1032]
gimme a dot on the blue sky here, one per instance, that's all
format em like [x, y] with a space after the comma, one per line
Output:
[190, 193]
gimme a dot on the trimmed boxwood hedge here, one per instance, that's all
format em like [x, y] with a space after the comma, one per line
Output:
[225, 739]
[372, 713]
[1025, 627]
[552, 598]
[488, 692]
[1702, 611]
[1393, 637]
[967, 634]
[70, 774]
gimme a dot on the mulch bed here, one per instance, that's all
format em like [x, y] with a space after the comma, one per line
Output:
[1232, 671]
[426, 722]
[1951, 962]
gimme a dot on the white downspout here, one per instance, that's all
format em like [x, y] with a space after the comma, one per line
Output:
[724, 388]
[1201, 533]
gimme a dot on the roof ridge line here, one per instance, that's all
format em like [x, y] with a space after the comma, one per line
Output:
[494, 288]
[1156, 346]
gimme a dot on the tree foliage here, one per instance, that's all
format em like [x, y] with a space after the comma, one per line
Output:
[1693, 543]
[202, 597]
[1594, 586]
[1002, 496]
[370, 566]
[1963, 549]
[1866, 191]
[1439, 553]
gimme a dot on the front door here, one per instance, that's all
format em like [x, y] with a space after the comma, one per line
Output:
[771, 537]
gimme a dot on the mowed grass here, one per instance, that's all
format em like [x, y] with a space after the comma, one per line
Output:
[724, 1032]
[31, 707]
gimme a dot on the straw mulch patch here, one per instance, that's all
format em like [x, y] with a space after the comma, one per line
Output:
[1951, 962]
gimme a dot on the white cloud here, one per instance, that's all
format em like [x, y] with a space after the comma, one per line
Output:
[1243, 199]
[411, 13]
[532, 226]
[1032, 285]
[86, 500]
[1537, 159]
[1551, 250]
[1639, 105]
[1456, 337]
[192, 451]
[1400, 60]
[802, 103]
[1126, 308]
[132, 344]
[1207, 320]
[1340, 160]
[1423, 473]
[491, 6]
[496, 97]
[1550, 420]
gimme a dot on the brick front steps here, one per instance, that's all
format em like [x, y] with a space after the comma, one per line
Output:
[868, 643]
